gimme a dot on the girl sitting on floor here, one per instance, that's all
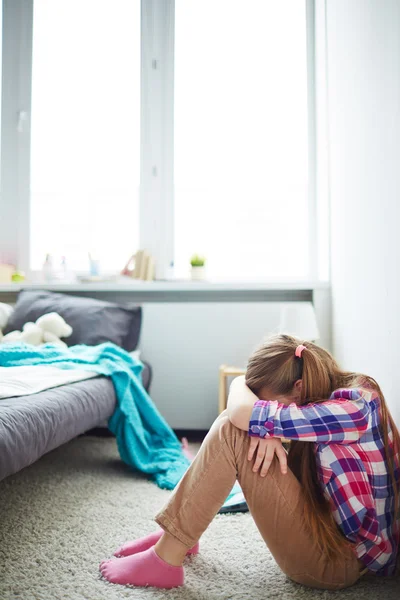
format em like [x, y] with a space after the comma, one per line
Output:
[328, 511]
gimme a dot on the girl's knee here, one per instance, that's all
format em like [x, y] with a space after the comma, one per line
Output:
[224, 427]
[223, 421]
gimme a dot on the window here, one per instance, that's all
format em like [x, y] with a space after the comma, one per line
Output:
[241, 137]
[85, 143]
[1, 62]
[180, 126]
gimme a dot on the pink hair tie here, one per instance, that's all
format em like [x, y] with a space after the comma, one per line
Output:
[299, 350]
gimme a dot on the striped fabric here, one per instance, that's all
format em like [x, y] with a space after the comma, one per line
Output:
[351, 462]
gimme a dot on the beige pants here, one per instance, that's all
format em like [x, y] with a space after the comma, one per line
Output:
[275, 502]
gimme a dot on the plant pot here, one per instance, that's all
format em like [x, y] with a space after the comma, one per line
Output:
[198, 273]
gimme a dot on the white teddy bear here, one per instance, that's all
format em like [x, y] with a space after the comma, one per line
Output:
[48, 328]
[5, 313]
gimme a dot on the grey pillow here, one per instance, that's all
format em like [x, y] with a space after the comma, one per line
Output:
[93, 321]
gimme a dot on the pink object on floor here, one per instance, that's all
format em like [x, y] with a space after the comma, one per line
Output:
[146, 542]
[142, 569]
[185, 449]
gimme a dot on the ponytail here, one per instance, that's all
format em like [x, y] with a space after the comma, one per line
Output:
[316, 382]
[316, 387]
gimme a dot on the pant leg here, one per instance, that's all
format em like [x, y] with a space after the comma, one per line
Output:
[275, 502]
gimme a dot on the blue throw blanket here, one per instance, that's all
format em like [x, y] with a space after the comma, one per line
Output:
[145, 440]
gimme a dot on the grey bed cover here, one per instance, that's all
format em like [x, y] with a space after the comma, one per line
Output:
[32, 425]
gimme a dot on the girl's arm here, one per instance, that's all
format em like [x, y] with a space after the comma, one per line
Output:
[240, 403]
[240, 407]
[342, 419]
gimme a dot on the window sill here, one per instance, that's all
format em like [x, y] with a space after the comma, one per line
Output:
[167, 286]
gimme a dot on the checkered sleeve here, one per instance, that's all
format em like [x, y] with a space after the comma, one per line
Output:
[344, 418]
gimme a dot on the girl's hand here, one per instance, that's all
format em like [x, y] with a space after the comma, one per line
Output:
[264, 449]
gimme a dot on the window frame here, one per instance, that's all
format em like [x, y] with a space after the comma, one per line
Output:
[156, 203]
[15, 130]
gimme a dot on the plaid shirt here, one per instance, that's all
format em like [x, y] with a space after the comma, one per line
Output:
[351, 462]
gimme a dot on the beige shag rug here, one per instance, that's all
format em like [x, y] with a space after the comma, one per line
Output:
[62, 515]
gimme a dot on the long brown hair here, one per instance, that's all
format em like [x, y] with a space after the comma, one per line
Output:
[274, 366]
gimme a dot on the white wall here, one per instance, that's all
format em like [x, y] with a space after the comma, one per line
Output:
[186, 342]
[363, 58]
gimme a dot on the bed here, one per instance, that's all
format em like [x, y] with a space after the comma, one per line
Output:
[31, 426]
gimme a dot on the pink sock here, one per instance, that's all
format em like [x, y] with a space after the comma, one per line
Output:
[144, 568]
[146, 542]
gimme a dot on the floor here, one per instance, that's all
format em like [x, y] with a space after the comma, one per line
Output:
[62, 515]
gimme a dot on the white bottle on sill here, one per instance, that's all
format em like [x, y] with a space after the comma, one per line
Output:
[47, 269]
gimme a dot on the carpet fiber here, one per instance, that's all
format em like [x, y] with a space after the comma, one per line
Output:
[62, 515]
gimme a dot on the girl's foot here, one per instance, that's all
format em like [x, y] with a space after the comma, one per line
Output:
[141, 569]
[146, 542]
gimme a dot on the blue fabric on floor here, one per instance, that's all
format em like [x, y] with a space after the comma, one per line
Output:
[145, 440]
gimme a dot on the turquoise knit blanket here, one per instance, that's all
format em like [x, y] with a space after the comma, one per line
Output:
[145, 440]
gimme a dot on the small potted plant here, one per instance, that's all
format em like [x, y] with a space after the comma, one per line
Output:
[198, 271]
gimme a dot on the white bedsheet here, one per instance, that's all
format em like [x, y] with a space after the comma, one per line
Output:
[21, 381]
